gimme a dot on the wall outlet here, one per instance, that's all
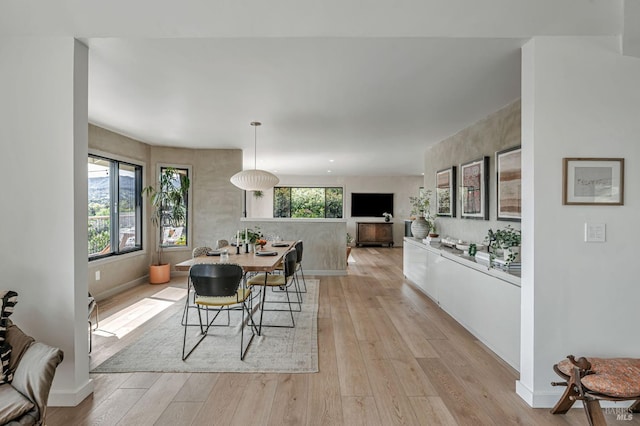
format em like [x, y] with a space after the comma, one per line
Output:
[97, 275]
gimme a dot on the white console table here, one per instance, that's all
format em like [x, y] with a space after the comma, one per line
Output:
[485, 301]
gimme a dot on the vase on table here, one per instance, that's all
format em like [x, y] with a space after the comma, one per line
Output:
[420, 228]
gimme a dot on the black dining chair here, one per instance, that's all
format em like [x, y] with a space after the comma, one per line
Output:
[282, 281]
[217, 287]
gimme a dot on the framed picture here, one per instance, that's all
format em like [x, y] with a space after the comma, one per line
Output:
[509, 184]
[593, 181]
[474, 189]
[446, 192]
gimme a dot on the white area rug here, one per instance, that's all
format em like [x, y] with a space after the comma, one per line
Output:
[278, 350]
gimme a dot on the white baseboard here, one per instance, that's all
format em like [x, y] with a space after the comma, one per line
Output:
[548, 399]
[65, 398]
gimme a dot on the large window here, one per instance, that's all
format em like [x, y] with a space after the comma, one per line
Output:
[173, 224]
[115, 207]
[307, 202]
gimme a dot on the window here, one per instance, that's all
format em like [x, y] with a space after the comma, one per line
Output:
[115, 207]
[307, 202]
[173, 226]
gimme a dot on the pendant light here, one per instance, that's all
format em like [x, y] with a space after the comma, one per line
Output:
[254, 180]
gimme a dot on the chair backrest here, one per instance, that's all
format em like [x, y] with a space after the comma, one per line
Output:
[200, 251]
[298, 247]
[216, 279]
[289, 262]
[222, 243]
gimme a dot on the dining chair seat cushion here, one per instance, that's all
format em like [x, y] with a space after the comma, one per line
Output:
[272, 280]
[241, 295]
[616, 377]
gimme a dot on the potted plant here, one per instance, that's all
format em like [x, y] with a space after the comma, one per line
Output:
[420, 206]
[505, 242]
[349, 242]
[168, 201]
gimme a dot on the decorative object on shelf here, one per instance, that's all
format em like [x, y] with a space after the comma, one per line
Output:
[474, 190]
[255, 180]
[509, 184]
[446, 192]
[593, 181]
[507, 241]
[420, 209]
[169, 210]
[420, 227]
[387, 216]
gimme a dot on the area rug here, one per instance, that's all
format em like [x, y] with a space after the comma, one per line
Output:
[277, 350]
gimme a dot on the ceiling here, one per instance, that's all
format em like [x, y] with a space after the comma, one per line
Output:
[340, 89]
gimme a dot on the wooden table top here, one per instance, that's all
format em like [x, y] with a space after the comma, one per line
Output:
[250, 262]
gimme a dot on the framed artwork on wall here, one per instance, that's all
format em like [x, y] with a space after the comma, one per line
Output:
[474, 189]
[593, 181]
[446, 192]
[509, 184]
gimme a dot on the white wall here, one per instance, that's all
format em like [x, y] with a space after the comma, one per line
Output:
[402, 187]
[580, 98]
[43, 252]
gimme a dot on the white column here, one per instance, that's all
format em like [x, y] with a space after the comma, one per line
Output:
[43, 249]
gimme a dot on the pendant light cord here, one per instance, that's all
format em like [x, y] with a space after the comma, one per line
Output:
[255, 125]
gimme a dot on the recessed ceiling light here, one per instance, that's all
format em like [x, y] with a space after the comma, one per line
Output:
[331, 161]
[328, 171]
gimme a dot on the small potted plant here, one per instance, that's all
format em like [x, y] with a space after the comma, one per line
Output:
[505, 242]
[349, 242]
[168, 201]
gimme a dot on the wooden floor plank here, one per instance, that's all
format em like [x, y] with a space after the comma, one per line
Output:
[360, 411]
[291, 400]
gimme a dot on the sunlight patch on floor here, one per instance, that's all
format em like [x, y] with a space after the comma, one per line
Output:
[127, 320]
[170, 293]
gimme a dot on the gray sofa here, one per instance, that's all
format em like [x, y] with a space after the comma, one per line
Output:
[24, 400]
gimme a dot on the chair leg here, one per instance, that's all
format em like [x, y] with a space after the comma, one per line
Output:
[243, 350]
[594, 412]
[304, 282]
[90, 337]
[635, 408]
[566, 400]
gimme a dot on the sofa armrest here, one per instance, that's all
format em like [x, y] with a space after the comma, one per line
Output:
[34, 375]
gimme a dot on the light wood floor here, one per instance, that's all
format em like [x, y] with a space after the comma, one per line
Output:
[388, 355]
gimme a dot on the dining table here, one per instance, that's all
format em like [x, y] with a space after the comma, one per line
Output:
[250, 262]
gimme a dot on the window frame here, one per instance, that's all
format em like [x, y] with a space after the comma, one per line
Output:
[114, 192]
[325, 188]
[189, 224]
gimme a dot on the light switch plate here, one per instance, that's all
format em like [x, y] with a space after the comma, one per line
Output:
[595, 232]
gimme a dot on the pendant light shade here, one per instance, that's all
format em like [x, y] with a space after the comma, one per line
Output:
[255, 180]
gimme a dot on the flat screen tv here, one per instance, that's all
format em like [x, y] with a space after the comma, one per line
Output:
[371, 204]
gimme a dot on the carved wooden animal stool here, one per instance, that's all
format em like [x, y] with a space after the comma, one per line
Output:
[594, 379]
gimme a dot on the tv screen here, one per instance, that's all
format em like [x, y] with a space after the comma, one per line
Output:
[371, 204]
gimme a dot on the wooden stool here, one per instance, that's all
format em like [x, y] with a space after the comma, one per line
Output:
[595, 379]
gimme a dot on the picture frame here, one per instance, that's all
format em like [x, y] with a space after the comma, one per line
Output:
[474, 189]
[593, 181]
[509, 184]
[446, 192]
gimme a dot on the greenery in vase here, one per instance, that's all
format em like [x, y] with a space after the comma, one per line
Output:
[251, 235]
[420, 205]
